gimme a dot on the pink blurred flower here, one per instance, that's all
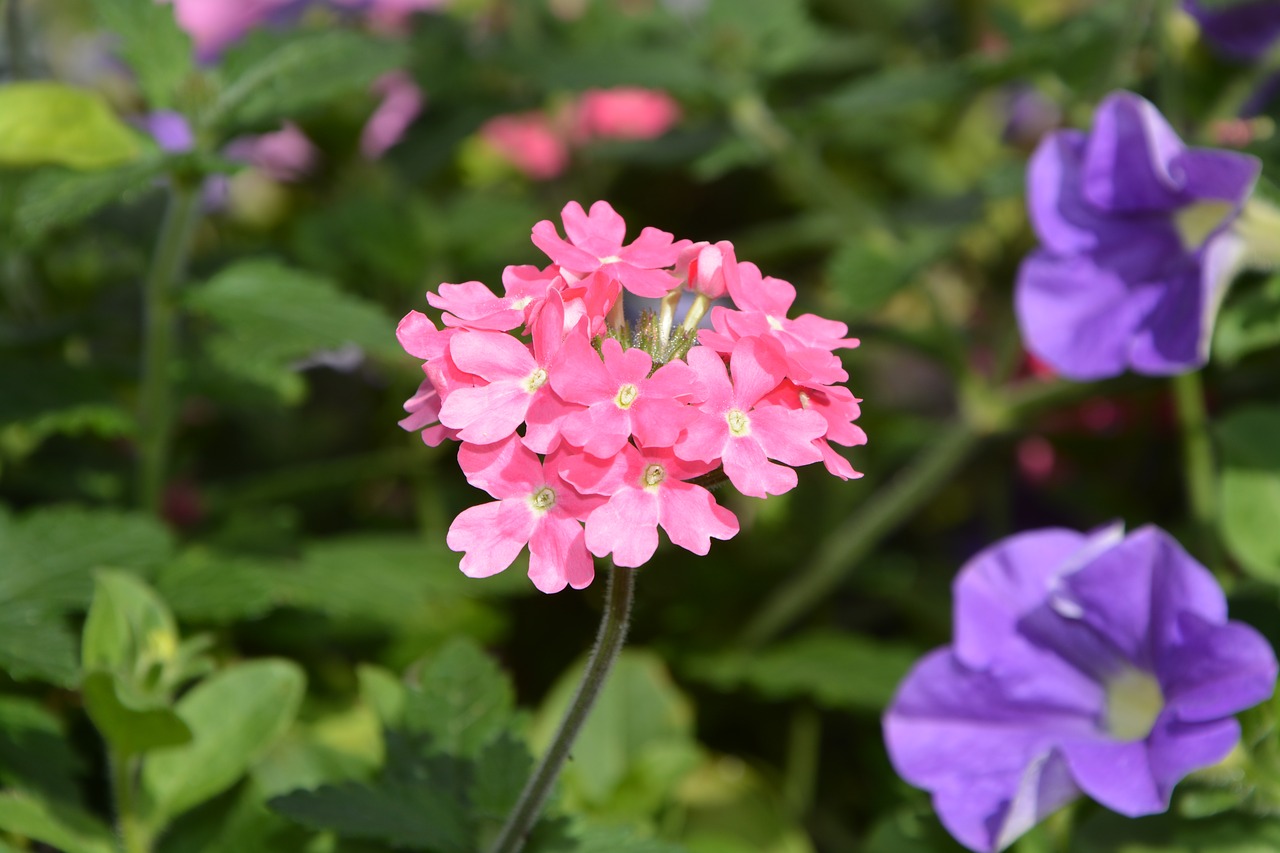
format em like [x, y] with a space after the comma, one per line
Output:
[623, 113]
[284, 155]
[402, 102]
[530, 142]
[215, 24]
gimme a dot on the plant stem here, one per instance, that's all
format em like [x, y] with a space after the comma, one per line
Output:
[612, 634]
[804, 750]
[133, 835]
[1197, 461]
[167, 267]
[851, 541]
[15, 40]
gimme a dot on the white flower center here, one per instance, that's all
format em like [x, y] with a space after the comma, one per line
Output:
[654, 475]
[520, 303]
[1134, 701]
[774, 322]
[739, 424]
[536, 380]
[626, 396]
[543, 499]
[612, 259]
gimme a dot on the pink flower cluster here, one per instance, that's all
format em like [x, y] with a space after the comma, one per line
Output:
[539, 143]
[591, 433]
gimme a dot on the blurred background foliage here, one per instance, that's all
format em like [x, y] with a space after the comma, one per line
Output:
[270, 648]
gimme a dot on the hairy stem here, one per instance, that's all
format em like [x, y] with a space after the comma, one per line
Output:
[132, 833]
[154, 403]
[612, 634]
[1197, 463]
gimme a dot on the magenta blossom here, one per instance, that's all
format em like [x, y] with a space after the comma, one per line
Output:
[529, 142]
[633, 421]
[1100, 664]
[626, 112]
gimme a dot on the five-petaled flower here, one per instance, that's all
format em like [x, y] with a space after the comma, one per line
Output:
[1136, 248]
[1099, 663]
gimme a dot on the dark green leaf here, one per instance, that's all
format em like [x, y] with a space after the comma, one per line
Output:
[1110, 833]
[835, 670]
[34, 753]
[152, 43]
[463, 700]
[59, 197]
[501, 770]
[1248, 324]
[1250, 485]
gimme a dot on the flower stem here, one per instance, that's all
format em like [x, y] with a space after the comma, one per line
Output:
[167, 267]
[1197, 462]
[804, 751]
[15, 40]
[612, 634]
[133, 835]
[893, 505]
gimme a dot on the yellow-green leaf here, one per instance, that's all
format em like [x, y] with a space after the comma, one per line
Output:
[42, 123]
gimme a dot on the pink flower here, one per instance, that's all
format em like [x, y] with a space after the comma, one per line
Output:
[402, 101]
[741, 430]
[707, 268]
[595, 243]
[283, 155]
[529, 142]
[624, 113]
[621, 398]
[215, 24]
[535, 507]
[647, 490]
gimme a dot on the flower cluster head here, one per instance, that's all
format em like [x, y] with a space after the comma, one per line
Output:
[1098, 663]
[592, 432]
[1136, 244]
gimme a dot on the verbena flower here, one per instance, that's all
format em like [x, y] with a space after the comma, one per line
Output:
[1136, 249]
[1099, 663]
[629, 420]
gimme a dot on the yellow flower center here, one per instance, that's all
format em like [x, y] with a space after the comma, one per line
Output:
[536, 380]
[739, 425]
[654, 475]
[543, 499]
[1134, 701]
[626, 396]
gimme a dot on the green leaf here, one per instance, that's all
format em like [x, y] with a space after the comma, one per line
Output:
[418, 801]
[384, 692]
[60, 826]
[50, 123]
[1236, 833]
[152, 43]
[127, 626]
[273, 76]
[867, 273]
[234, 717]
[463, 701]
[271, 316]
[637, 743]
[46, 560]
[58, 197]
[34, 753]
[1249, 323]
[127, 728]
[501, 770]
[1250, 485]
[836, 670]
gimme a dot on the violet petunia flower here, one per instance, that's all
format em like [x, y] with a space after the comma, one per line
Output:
[1136, 248]
[1099, 663]
[1243, 31]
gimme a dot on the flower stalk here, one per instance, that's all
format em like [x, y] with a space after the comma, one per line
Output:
[1198, 465]
[614, 623]
[155, 421]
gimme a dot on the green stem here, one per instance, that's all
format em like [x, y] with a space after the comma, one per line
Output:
[167, 267]
[612, 634]
[879, 516]
[1197, 463]
[804, 749]
[132, 832]
[15, 40]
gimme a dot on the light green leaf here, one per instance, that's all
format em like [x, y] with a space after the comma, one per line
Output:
[127, 626]
[1249, 323]
[234, 717]
[1250, 485]
[417, 802]
[271, 316]
[50, 123]
[463, 701]
[63, 827]
[152, 43]
[57, 197]
[637, 743]
[501, 770]
[128, 728]
[272, 76]
[384, 692]
[836, 670]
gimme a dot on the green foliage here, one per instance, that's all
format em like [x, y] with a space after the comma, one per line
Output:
[270, 317]
[1110, 833]
[835, 670]
[50, 123]
[1248, 324]
[35, 755]
[46, 560]
[56, 197]
[155, 48]
[1251, 488]
[234, 716]
[66, 828]
[463, 702]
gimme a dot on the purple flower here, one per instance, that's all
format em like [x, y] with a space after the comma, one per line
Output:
[1097, 663]
[1243, 31]
[171, 131]
[1135, 247]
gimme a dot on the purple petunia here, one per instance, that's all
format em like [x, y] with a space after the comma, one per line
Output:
[1135, 244]
[1097, 663]
[1243, 30]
